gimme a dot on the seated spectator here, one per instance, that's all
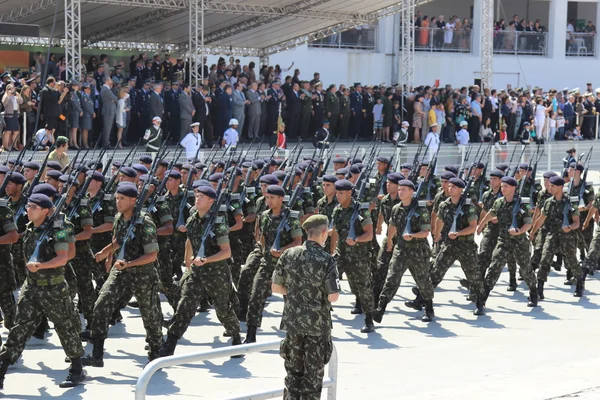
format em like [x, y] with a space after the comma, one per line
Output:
[43, 139]
[485, 132]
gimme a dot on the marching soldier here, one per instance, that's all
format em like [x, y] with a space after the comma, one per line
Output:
[8, 284]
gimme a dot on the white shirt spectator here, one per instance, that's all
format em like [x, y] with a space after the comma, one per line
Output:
[43, 138]
[570, 28]
[191, 142]
[231, 137]
[433, 142]
[462, 137]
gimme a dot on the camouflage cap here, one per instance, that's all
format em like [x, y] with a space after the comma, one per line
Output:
[315, 221]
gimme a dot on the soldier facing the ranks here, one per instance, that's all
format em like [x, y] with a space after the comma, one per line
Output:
[308, 277]
[44, 293]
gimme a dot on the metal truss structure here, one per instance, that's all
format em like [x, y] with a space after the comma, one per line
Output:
[196, 40]
[487, 43]
[407, 49]
[73, 39]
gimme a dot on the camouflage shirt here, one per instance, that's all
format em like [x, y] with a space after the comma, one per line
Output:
[487, 202]
[144, 241]
[341, 221]
[420, 221]
[15, 206]
[58, 240]
[195, 229]
[103, 208]
[261, 205]
[160, 216]
[588, 197]
[309, 274]
[446, 214]
[504, 211]
[326, 208]
[542, 197]
[174, 203]
[82, 217]
[7, 224]
[439, 198]
[385, 207]
[269, 225]
[554, 211]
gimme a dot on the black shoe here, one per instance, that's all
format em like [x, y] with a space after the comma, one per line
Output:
[480, 310]
[96, 358]
[168, 347]
[464, 283]
[378, 314]
[357, 308]
[512, 286]
[417, 303]
[134, 304]
[533, 298]
[369, 326]
[429, 314]
[153, 355]
[416, 291]
[204, 305]
[580, 287]
[3, 368]
[237, 340]
[557, 265]
[76, 374]
[540, 290]
[250, 334]
[227, 333]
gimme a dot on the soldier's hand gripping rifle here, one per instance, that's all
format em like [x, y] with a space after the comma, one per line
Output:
[363, 181]
[211, 220]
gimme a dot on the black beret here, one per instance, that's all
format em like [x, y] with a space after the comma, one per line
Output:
[447, 175]
[356, 168]
[220, 163]
[68, 179]
[406, 183]
[549, 174]
[275, 190]
[173, 174]
[355, 160]
[302, 166]
[480, 165]
[4, 169]
[269, 179]
[280, 175]
[178, 165]
[330, 178]
[344, 184]
[383, 159]
[275, 162]
[17, 178]
[339, 160]
[207, 190]
[395, 177]
[97, 164]
[41, 200]
[163, 163]
[502, 167]
[146, 159]
[81, 168]
[117, 164]
[96, 175]
[497, 173]
[152, 179]
[557, 181]
[54, 174]
[200, 165]
[46, 189]
[127, 189]
[259, 164]
[342, 171]
[525, 167]
[55, 165]
[216, 177]
[509, 180]
[407, 166]
[458, 182]
[128, 171]
[451, 168]
[238, 171]
[32, 165]
[200, 182]
[577, 166]
[140, 168]
[14, 160]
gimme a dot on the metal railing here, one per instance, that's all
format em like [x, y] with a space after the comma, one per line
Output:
[329, 382]
[521, 43]
[581, 44]
[361, 38]
[444, 40]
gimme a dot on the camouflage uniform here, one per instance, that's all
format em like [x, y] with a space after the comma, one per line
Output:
[142, 281]
[45, 292]
[413, 255]
[437, 200]
[356, 259]
[556, 239]
[326, 208]
[463, 248]
[591, 261]
[103, 211]
[17, 248]
[309, 275]
[383, 257]
[507, 244]
[215, 278]
[8, 283]
[235, 238]
[261, 286]
[584, 236]
[246, 234]
[540, 237]
[177, 240]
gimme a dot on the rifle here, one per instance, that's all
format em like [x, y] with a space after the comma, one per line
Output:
[483, 186]
[518, 200]
[463, 197]
[414, 173]
[212, 218]
[134, 150]
[351, 149]
[461, 172]
[584, 179]
[382, 188]
[363, 180]
[184, 199]
[429, 175]
[109, 161]
[291, 154]
[329, 155]
[114, 177]
[533, 175]
[514, 172]
[288, 178]
[463, 165]
[413, 208]
[83, 191]
[161, 186]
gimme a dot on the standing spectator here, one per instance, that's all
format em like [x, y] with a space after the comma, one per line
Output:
[224, 112]
[424, 32]
[85, 121]
[239, 105]
[462, 136]
[109, 111]
[378, 119]
[294, 109]
[121, 117]
[11, 102]
[254, 111]
[49, 104]
[186, 111]
[449, 32]
[231, 135]
[75, 112]
[418, 118]
[173, 112]
[28, 111]
[476, 117]
[157, 108]
[63, 108]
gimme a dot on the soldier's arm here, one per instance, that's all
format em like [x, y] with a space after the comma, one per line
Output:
[332, 282]
[367, 236]
[85, 234]
[105, 227]
[223, 254]
[575, 224]
[434, 219]
[278, 284]
[188, 254]
[439, 226]
[8, 226]
[380, 223]
[484, 221]
[391, 234]
[537, 224]
[469, 230]
[334, 240]
[61, 259]
[239, 224]
[166, 229]
[591, 215]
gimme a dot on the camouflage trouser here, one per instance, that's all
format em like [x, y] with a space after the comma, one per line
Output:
[465, 251]
[19, 262]
[379, 273]
[591, 261]
[143, 283]
[415, 258]
[566, 244]
[538, 245]
[72, 287]
[261, 287]
[584, 239]
[356, 263]
[82, 266]
[7, 287]
[305, 358]
[165, 274]
[236, 260]
[244, 284]
[520, 249]
[177, 245]
[247, 239]
[486, 248]
[216, 280]
[34, 302]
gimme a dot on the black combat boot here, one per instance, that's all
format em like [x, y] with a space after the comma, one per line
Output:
[116, 317]
[76, 374]
[569, 280]
[96, 359]
[417, 303]
[512, 282]
[243, 309]
[357, 307]
[3, 368]
[369, 326]
[378, 314]
[480, 310]
[558, 263]
[428, 316]
[250, 334]
[533, 298]
[153, 354]
[168, 347]
[581, 284]
[540, 289]
[237, 340]
[204, 305]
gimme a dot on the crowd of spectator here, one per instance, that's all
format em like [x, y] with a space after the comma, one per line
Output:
[440, 34]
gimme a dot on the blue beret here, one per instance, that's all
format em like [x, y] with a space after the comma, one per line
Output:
[383, 159]
[549, 174]
[173, 174]
[395, 177]
[509, 180]
[45, 189]
[178, 165]
[480, 165]
[344, 184]
[275, 190]
[4, 169]
[406, 183]
[216, 177]
[41, 200]
[146, 159]
[406, 166]
[54, 174]
[146, 178]
[502, 167]
[525, 167]
[97, 164]
[275, 162]
[32, 165]
[577, 166]
[451, 168]
[187, 167]
[163, 163]
[200, 182]
[238, 171]
[497, 173]
[447, 175]
[339, 160]
[55, 165]
[557, 181]
[68, 179]
[355, 160]
[117, 164]
[14, 160]
[269, 179]
[458, 182]
[280, 175]
[356, 168]
[342, 171]
[302, 166]
[128, 171]
[207, 191]
[330, 178]
[96, 175]
[140, 168]
[200, 165]
[259, 164]
[247, 164]
[127, 189]
[17, 178]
